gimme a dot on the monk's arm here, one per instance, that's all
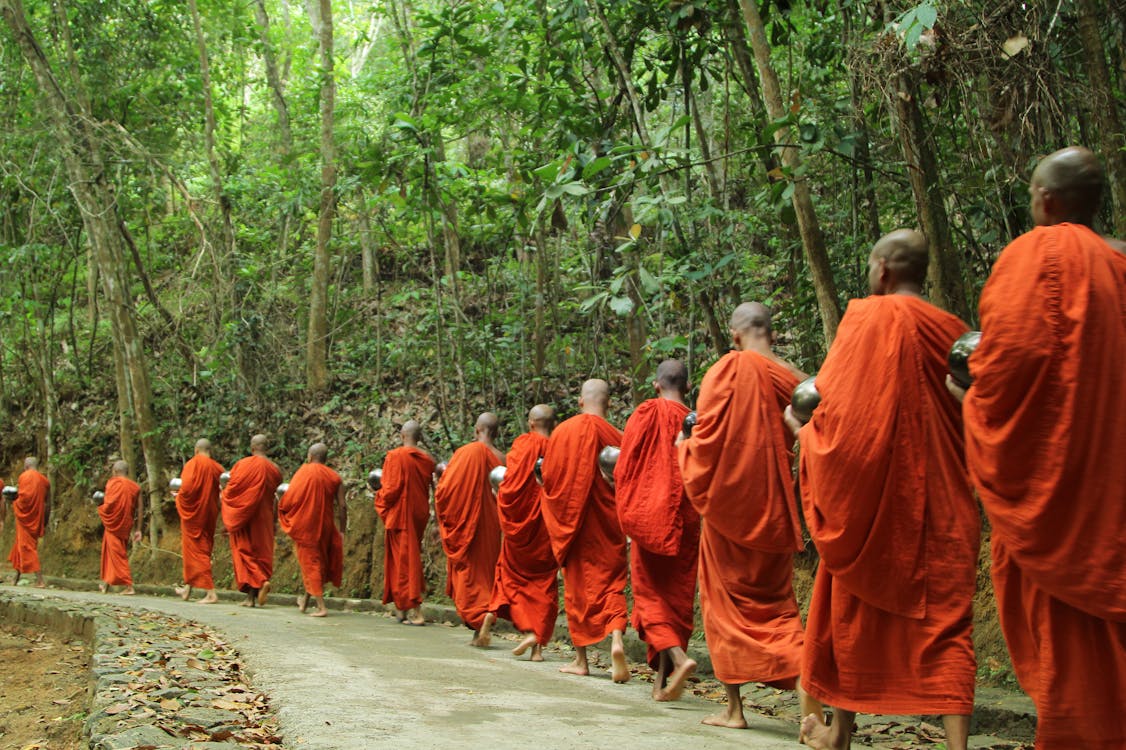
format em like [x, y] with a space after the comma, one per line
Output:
[341, 510]
[138, 517]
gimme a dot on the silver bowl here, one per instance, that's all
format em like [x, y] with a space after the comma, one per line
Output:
[375, 480]
[607, 460]
[959, 357]
[538, 471]
[10, 493]
[98, 497]
[496, 476]
[440, 469]
[223, 479]
[281, 490]
[689, 423]
[805, 399]
[175, 484]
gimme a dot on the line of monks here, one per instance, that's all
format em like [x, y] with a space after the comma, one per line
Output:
[896, 463]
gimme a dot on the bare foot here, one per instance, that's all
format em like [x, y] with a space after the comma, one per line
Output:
[485, 634]
[674, 688]
[537, 653]
[246, 603]
[620, 667]
[816, 734]
[414, 617]
[183, 591]
[303, 601]
[209, 598]
[263, 593]
[128, 591]
[103, 586]
[575, 667]
[319, 613]
[726, 720]
[524, 645]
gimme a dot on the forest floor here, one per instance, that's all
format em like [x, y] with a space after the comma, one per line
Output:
[42, 689]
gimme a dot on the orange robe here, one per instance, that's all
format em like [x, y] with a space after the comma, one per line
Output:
[248, 516]
[526, 588]
[889, 506]
[736, 469]
[197, 502]
[117, 512]
[581, 517]
[1045, 423]
[305, 512]
[30, 511]
[467, 520]
[403, 504]
[661, 523]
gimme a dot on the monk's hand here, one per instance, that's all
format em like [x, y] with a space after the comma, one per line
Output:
[956, 390]
[136, 536]
[791, 421]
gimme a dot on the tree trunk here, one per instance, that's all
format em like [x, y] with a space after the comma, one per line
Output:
[813, 241]
[316, 351]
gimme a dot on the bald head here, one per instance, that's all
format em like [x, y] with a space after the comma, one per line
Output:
[318, 453]
[120, 468]
[203, 445]
[31, 462]
[898, 262]
[1067, 186]
[411, 432]
[541, 419]
[750, 326]
[594, 397]
[672, 377]
[259, 443]
[486, 426]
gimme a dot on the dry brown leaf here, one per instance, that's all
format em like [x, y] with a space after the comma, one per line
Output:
[117, 708]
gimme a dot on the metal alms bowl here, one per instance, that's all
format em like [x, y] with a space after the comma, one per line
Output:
[175, 484]
[689, 423]
[224, 478]
[608, 459]
[959, 358]
[805, 399]
[375, 480]
[281, 490]
[496, 476]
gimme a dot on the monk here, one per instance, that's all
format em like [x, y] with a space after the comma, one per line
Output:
[248, 506]
[403, 504]
[737, 472]
[467, 521]
[1045, 419]
[526, 588]
[32, 509]
[312, 511]
[120, 512]
[664, 528]
[888, 504]
[581, 517]
[197, 502]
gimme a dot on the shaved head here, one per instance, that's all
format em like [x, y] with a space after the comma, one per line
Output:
[120, 468]
[594, 396]
[259, 443]
[203, 445]
[751, 317]
[672, 375]
[318, 453]
[412, 429]
[487, 423]
[898, 259]
[31, 462]
[541, 418]
[1067, 186]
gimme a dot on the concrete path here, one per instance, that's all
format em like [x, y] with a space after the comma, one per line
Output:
[358, 680]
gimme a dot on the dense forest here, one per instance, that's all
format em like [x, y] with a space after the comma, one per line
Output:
[317, 220]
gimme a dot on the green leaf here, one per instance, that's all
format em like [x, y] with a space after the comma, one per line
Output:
[596, 166]
[621, 305]
[648, 282]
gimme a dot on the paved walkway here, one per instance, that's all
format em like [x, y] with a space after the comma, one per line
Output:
[359, 680]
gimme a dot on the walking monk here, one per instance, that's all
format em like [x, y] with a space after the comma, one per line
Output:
[403, 504]
[32, 509]
[120, 512]
[1045, 423]
[248, 508]
[737, 473]
[470, 529]
[197, 502]
[664, 528]
[526, 588]
[582, 522]
[889, 506]
[310, 512]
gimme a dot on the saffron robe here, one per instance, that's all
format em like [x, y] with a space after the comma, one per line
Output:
[117, 512]
[197, 502]
[305, 512]
[662, 525]
[1045, 421]
[526, 587]
[403, 504]
[248, 515]
[581, 517]
[888, 504]
[30, 511]
[467, 520]
[737, 473]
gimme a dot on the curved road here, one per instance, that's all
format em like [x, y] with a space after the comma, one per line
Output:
[361, 680]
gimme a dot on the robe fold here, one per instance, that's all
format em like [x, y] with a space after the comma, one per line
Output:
[30, 511]
[197, 502]
[305, 513]
[248, 515]
[889, 507]
[581, 518]
[403, 504]
[526, 587]
[662, 525]
[736, 471]
[466, 510]
[117, 514]
[1045, 420]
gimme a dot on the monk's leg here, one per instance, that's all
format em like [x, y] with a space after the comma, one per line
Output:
[836, 736]
[39, 582]
[579, 666]
[524, 645]
[320, 611]
[263, 592]
[682, 669]
[619, 666]
[303, 601]
[414, 616]
[249, 600]
[184, 592]
[103, 587]
[537, 653]
[957, 731]
[733, 717]
[485, 634]
[208, 598]
[16, 580]
[128, 590]
[809, 706]
[662, 675]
